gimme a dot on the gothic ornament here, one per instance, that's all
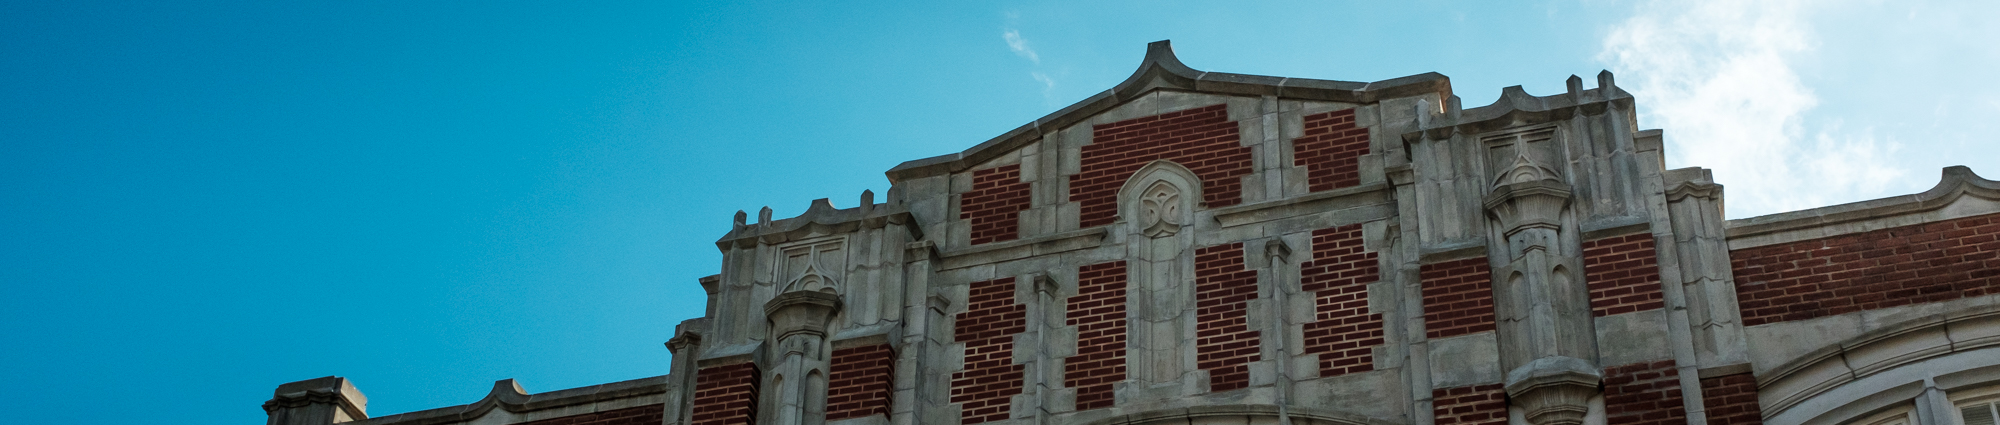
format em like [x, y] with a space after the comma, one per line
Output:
[1160, 210]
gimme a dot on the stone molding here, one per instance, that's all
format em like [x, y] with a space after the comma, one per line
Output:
[1239, 413]
[1788, 385]
[1958, 183]
[819, 219]
[507, 396]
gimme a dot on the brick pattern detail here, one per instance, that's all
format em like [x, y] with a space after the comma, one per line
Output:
[1224, 343]
[1331, 150]
[1623, 274]
[1477, 404]
[860, 382]
[1929, 262]
[987, 328]
[998, 195]
[1344, 333]
[1731, 400]
[1098, 313]
[726, 395]
[1201, 139]
[643, 415]
[1643, 394]
[1458, 297]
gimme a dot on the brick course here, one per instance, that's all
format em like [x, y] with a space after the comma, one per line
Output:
[1477, 404]
[1224, 343]
[1731, 400]
[1458, 297]
[1891, 267]
[1098, 313]
[1201, 139]
[987, 328]
[726, 395]
[860, 381]
[647, 415]
[1344, 333]
[1643, 394]
[998, 195]
[1623, 274]
[1331, 150]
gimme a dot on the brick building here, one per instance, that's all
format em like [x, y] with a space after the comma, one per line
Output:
[1196, 247]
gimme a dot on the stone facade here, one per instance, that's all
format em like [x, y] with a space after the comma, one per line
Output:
[1196, 247]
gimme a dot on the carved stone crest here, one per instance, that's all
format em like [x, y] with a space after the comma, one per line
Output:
[1160, 210]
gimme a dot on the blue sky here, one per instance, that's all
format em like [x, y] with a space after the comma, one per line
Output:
[204, 200]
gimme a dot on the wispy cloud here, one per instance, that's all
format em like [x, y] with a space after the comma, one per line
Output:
[1019, 46]
[1719, 76]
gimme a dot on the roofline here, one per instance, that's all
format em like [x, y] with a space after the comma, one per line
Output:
[1161, 69]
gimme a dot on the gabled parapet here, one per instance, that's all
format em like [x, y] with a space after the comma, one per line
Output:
[1958, 193]
[819, 219]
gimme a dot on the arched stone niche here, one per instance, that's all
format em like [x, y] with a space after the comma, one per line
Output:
[1157, 209]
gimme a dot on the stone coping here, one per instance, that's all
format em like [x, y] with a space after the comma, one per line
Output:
[508, 396]
[1516, 108]
[819, 219]
[1162, 70]
[1958, 182]
[1184, 415]
[998, 252]
[1341, 198]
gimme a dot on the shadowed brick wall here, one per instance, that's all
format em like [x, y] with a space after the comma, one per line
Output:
[1224, 343]
[726, 395]
[642, 415]
[1623, 274]
[1477, 404]
[1731, 400]
[1891, 267]
[1098, 313]
[1643, 394]
[1458, 297]
[987, 328]
[1331, 150]
[1202, 139]
[1344, 333]
[860, 382]
[998, 195]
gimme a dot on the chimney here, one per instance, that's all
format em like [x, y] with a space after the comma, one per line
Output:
[322, 401]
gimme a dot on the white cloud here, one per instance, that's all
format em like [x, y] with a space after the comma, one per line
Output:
[1019, 46]
[1719, 77]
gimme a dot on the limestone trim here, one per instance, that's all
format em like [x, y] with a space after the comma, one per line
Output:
[1312, 203]
[1516, 106]
[1959, 193]
[999, 252]
[1887, 348]
[819, 219]
[1242, 413]
[1162, 70]
[507, 396]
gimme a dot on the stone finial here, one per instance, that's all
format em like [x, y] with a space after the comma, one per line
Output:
[1605, 83]
[764, 217]
[867, 202]
[740, 220]
[1575, 85]
[321, 401]
[679, 344]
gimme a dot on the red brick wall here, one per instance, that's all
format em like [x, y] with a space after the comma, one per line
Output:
[1224, 343]
[1098, 313]
[860, 382]
[1202, 139]
[987, 328]
[1731, 400]
[1643, 394]
[997, 196]
[1477, 404]
[1929, 262]
[1458, 297]
[726, 395]
[1344, 333]
[1331, 150]
[642, 415]
[1623, 274]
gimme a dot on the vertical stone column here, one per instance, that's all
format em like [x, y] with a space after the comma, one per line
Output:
[1694, 204]
[800, 366]
[321, 401]
[680, 375]
[1547, 336]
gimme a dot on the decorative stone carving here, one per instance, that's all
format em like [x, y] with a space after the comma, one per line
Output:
[1160, 210]
[1553, 390]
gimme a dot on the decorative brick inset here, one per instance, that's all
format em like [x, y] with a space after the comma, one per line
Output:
[998, 195]
[987, 328]
[1477, 404]
[860, 382]
[726, 395]
[1098, 313]
[1202, 139]
[1922, 263]
[1623, 274]
[1224, 343]
[1331, 150]
[1344, 333]
[1458, 297]
[647, 414]
[1731, 400]
[1643, 394]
